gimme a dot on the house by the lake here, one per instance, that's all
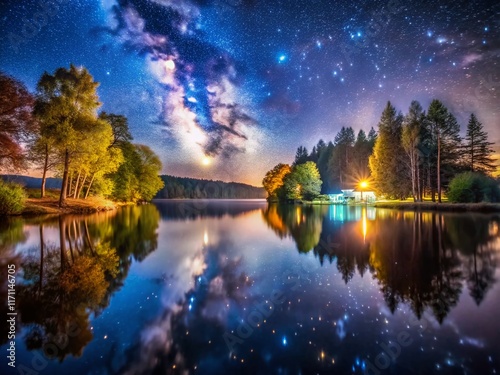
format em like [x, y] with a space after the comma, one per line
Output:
[350, 195]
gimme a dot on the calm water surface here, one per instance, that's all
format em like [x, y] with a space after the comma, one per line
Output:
[242, 287]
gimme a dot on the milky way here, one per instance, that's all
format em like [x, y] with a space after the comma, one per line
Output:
[244, 83]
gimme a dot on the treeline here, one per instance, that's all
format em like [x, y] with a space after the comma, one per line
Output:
[329, 167]
[58, 130]
[414, 155]
[419, 155]
[190, 188]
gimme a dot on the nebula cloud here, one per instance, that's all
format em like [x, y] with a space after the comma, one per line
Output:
[199, 83]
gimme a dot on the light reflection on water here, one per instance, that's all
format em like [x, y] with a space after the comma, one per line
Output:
[242, 287]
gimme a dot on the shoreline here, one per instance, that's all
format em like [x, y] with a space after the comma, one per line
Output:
[50, 206]
[444, 207]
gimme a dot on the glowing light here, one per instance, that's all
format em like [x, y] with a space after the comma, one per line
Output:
[170, 64]
[284, 341]
[282, 58]
[206, 161]
[205, 238]
[363, 184]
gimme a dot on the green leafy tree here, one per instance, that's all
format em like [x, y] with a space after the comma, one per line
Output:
[148, 173]
[273, 181]
[478, 151]
[389, 172]
[473, 187]
[304, 182]
[137, 177]
[66, 107]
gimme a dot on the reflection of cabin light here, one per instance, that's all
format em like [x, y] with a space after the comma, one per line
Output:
[364, 225]
[205, 238]
[493, 229]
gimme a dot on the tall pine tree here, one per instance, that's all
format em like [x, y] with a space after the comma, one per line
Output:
[478, 151]
[445, 132]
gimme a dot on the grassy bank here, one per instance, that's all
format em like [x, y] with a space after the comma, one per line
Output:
[432, 206]
[50, 205]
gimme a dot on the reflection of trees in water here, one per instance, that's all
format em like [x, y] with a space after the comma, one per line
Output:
[302, 223]
[420, 259]
[11, 233]
[63, 283]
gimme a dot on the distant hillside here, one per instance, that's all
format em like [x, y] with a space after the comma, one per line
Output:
[190, 188]
[33, 182]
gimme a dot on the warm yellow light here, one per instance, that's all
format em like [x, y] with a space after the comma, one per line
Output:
[363, 184]
[206, 161]
[205, 238]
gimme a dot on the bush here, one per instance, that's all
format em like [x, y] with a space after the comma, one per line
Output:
[472, 187]
[12, 198]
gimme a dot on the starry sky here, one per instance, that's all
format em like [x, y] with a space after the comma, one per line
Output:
[226, 89]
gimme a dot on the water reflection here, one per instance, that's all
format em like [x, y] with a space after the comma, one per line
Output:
[418, 258]
[72, 272]
[187, 287]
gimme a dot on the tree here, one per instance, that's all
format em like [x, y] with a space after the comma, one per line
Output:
[16, 120]
[389, 173]
[301, 156]
[445, 131]
[477, 148]
[66, 107]
[411, 139]
[119, 125]
[273, 181]
[148, 173]
[137, 178]
[341, 158]
[473, 187]
[362, 150]
[324, 167]
[303, 182]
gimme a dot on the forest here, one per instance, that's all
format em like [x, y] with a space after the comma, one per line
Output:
[419, 155]
[190, 188]
[58, 131]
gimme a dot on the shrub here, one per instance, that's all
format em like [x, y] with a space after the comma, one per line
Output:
[472, 187]
[12, 198]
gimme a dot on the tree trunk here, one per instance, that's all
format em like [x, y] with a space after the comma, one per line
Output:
[76, 184]
[81, 186]
[62, 242]
[419, 192]
[62, 197]
[430, 182]
[90, 185]
[70, 182]
[413, 175]
[439, 169]
[45, 167]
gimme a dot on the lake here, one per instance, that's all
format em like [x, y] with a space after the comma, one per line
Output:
[243, 287]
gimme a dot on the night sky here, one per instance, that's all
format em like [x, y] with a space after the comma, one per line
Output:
[226, 89]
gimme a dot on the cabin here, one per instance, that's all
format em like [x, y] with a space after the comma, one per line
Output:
[350, 195]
